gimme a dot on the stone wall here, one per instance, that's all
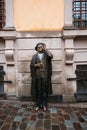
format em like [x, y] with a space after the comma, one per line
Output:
[25, 51]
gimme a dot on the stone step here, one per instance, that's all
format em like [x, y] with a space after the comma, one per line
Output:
[3, 97]
[51, 98]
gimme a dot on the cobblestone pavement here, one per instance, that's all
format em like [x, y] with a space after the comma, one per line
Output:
[16, 115]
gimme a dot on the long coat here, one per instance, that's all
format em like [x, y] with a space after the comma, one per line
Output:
[34, 60]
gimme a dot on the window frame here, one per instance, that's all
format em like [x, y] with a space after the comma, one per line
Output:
[80, 14]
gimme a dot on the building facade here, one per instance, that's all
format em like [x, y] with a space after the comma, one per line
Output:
[65, 36]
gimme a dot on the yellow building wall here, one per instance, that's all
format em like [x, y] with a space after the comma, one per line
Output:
[39, 15]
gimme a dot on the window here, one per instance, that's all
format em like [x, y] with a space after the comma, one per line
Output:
[2, 14]
[80, 14]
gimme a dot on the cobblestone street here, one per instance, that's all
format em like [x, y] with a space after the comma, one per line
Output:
[16, 115]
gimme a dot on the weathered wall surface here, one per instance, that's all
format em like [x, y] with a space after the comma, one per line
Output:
[80, 51]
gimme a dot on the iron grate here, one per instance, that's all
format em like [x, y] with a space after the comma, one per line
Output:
[2, 14]
[80, 14]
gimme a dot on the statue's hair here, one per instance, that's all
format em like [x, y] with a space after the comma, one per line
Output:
[40, 43]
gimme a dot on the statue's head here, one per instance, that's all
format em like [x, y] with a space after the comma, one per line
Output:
[40, 44]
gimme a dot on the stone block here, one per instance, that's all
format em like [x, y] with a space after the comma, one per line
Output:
[23, 67]
[57, 89]
[69, 98]
[26, 55]
[24, 90]
[24, 78]
[56, 77]
[31, 43]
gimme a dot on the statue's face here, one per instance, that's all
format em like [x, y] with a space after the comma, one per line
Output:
[44, 46]
[40, 48]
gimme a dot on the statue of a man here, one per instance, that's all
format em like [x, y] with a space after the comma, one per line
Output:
[41, 71]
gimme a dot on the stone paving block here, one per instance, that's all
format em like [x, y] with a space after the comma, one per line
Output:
[54, 115]
[31, 105]
[25, 119]
[64, 111]
[62, 126]
[73, 117]
[31, 123]
[75, 109]
[69, 110]
[60, 114]
[9, 119]
[39, 123]
[2, 117]
[5, 127]
[47, 124]
[55, 119]
[40, 115]
[14, 125]
[84, 128]
[78, 114]
[47, 116]
[77, 125]
[68, 123]
[83, 125]
[47, 112]
[18, 105]
[18, 119]
[81, 119]
[21, 110]
[55, 127]
[13, 113]
[23, 126]
[53, 110]
[61, 120]
[70, 128]
[38, 128]
[7, 111]
[66, 117]
[33, 118]
[26, 114]
[24, 105]
[85, 117]
[30, 128]
[83, 113]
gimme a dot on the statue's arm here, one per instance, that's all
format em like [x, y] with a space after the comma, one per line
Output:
[48, 54]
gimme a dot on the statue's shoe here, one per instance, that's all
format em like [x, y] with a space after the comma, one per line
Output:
[45, 108]
[37, 108]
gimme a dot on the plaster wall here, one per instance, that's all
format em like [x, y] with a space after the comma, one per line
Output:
[38, 15]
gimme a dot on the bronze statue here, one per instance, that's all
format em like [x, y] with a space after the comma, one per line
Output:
[41, 71]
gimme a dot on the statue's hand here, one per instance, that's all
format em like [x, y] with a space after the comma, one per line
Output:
[38, 65]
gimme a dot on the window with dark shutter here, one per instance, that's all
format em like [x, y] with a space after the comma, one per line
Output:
[80, 14]
[2, 14]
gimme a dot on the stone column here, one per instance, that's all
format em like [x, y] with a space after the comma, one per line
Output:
[9, 15]
[11, 69]
[68, 14]
[69, 84]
